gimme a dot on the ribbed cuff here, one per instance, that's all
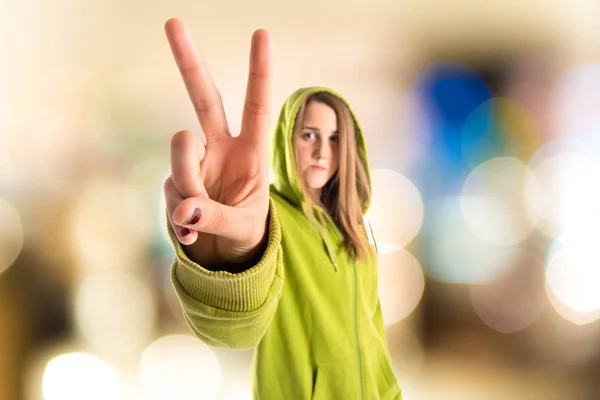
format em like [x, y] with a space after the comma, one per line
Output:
[241, 292]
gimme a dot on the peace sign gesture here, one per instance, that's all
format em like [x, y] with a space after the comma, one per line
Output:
[218, 194]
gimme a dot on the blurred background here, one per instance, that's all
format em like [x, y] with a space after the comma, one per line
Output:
[483, 126]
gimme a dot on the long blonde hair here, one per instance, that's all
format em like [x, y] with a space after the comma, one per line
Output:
[348, 189]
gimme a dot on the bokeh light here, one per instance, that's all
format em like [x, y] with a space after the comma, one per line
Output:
[180, 367]
[500, 127]
[516, 299]
[455, 253]
[396, 212]
[557, 147]
[387, 247]
[108, 226]
[589, 134]
[493, 201]
[570, 193]
[77, 376]
[575, 101]
[115, 312]
[573, 281]
[245, 395]
[401, 285]
[544, 182]
[11, 234]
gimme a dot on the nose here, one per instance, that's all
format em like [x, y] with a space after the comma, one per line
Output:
[321, 149]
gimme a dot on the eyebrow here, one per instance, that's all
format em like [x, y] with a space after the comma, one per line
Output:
[317, 129]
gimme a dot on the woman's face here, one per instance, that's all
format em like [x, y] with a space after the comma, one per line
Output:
[317, 146]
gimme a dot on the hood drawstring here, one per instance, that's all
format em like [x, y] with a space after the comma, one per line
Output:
[371, 235]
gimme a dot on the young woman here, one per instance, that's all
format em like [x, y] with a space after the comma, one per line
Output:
[287, 267]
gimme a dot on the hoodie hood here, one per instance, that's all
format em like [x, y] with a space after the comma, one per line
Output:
[286, 181]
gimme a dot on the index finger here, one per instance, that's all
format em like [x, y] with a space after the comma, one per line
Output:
[203, 93]
[257, 107]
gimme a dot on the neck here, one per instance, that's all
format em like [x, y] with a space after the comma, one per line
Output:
[315, 196]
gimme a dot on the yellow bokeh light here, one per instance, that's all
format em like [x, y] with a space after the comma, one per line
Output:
[180, 367]
[115, 312]
[11, 235]
[397, 210]
[493, 202]
[77, 376]
[401, 285]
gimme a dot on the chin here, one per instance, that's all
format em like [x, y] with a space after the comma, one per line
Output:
[316, 185]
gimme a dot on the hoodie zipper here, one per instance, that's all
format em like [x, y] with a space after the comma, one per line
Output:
[360, 369]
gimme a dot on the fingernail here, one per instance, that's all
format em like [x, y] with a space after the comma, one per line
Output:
[185, 232]
[194, 218]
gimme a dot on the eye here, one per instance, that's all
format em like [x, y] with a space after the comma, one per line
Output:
[335, 139]
[308, 135]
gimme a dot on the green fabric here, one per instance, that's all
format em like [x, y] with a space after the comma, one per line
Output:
[319, 332]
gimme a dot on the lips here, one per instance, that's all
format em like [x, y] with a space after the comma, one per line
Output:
[319, 168]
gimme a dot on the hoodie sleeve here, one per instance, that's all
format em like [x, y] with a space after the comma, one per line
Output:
[225, 309]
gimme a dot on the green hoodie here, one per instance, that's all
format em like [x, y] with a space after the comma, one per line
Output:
[319, 332]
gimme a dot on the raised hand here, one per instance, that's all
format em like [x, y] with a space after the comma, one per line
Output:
[218, 194]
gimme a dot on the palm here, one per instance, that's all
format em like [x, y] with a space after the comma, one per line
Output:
[233, 176]
[228, 177]
[232, 172]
